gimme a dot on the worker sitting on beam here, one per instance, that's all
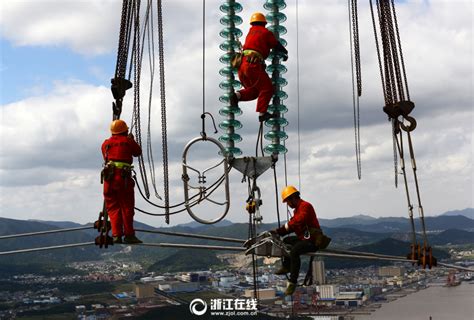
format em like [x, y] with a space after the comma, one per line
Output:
[309, 237]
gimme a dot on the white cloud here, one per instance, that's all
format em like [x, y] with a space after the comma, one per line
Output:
[50, 141]
[85, 26]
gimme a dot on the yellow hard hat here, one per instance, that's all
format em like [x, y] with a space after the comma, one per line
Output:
[118, 126]
[257, 17]
[288, 191]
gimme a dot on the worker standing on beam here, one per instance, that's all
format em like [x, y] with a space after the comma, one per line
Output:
[309, 237]
[251, 71]
[118, 152]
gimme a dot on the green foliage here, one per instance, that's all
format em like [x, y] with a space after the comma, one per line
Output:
[186, 260]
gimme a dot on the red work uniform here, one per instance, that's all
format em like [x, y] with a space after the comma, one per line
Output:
[304, 217]
[253, 76]
[118, 191]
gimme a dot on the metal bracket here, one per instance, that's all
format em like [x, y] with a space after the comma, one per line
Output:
[267, 245]
[252, 167]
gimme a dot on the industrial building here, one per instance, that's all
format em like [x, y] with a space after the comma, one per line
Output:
[391, 271]
[144, 291]
[319, 272]
[350, 299]
[263, 294]
[178, 286]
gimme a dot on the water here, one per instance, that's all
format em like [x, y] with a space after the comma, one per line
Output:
[451, 303]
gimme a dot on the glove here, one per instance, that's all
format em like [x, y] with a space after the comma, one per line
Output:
[279, 231]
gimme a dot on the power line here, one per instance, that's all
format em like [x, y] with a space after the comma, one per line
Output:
[191, 246]
[63, 246]
[11, 236]
[190, 235]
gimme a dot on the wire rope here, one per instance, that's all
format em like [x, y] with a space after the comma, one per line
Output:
[298, 94]
[191, 235]
[28, 234]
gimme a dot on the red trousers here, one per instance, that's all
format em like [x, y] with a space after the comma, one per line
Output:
[257, 84]
[120, 203]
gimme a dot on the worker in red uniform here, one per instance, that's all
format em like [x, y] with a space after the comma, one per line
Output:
[118, 152]
[252, 74]
[309, 236]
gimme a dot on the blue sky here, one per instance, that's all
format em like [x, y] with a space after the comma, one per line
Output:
[32, 70]
[57, 58]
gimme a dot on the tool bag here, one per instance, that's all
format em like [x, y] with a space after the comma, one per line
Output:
[320, 239]
[107, 172]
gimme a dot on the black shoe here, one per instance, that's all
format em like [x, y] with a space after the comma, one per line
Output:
[131, 240]
[117, 240]
[266, 116]
[233, 99]
[282, 271]
[290, 288]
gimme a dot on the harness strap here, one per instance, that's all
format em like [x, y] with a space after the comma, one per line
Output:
[120, 164]
[250, 52]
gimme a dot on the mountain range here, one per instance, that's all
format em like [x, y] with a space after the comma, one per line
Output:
[346, 233]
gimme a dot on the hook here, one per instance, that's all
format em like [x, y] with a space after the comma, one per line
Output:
[203, 117]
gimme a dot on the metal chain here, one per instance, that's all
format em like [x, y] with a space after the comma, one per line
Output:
[378, 50]
[389, 80]
[400, 48]
[122, 52]
[355, 28]
[355, 55]
[137, 73]
[163, 111]
[394, 53]
[396, 90]
[151, 54]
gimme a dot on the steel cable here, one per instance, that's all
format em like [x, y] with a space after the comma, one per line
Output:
[28, 234]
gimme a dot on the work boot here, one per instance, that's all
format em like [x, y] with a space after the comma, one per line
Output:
[282, 271]
[266, 116]
[233, 99]
[117, 240]
[131, 240]
[290, 288]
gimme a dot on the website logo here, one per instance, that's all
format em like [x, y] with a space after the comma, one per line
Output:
[198, 304]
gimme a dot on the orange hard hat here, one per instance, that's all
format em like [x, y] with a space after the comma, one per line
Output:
[257, 17]
[118, 126]
[288, 191]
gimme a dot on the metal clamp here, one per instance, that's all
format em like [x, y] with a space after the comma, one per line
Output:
[202, 180]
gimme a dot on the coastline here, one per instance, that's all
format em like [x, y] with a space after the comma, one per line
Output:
[435, 301]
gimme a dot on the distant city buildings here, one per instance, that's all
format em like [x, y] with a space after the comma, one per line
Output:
[263, 294]
[393, 271]
[144, 291]
[327, 291]
[319, 272]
